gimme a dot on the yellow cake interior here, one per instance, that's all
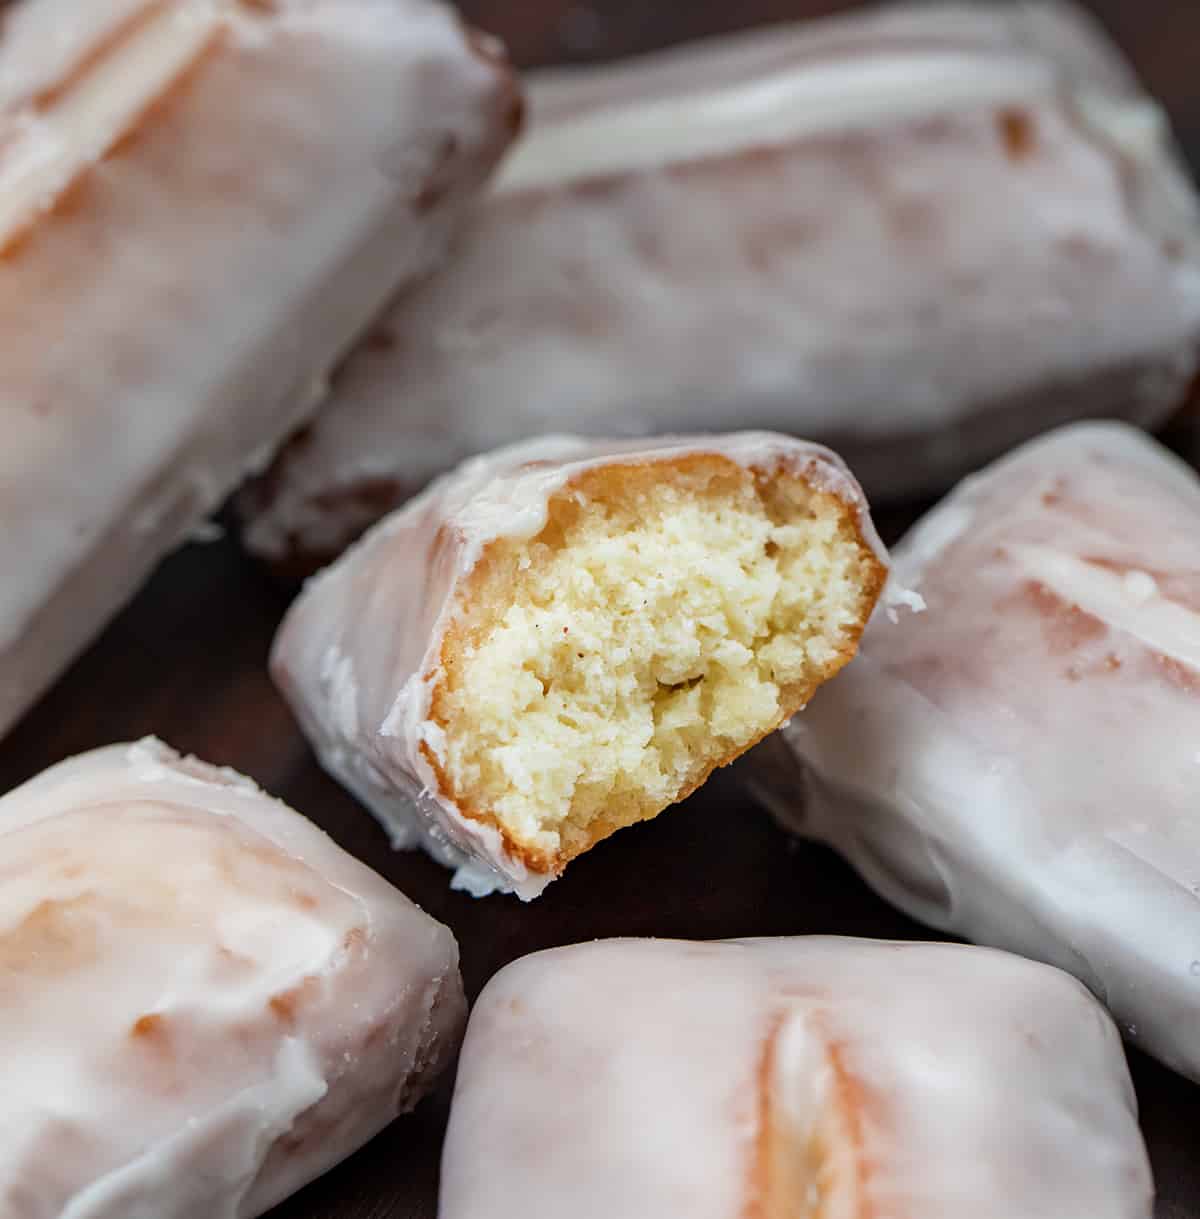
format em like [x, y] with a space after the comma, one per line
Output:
[667, 617]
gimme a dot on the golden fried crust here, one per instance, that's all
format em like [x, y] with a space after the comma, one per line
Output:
[606, 483]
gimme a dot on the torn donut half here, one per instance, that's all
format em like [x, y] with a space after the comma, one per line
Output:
[206, 1002]
[566, 636]
[805, 1078]
[1020, 764]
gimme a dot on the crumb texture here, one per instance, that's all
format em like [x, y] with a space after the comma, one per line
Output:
[659, 625]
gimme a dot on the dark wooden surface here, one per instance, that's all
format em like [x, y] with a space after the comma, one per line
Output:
[186, 662]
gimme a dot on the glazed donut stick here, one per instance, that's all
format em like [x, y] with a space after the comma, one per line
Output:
[566, 636]
[808, 1078]
[207, 1003]
[1020, 763]
[920, 235]
[202, 203]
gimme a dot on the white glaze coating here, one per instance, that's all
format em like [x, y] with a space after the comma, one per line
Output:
[47, 42]
[777, 108]
[359, 652]
[1020, 764]
[207, 1002]
[656, 1079]
[185, 253]
[920, 234]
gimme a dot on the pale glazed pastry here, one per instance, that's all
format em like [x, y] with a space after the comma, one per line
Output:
[809, 1078]
[202, 203]
[1020, 763]
[565, 636]
[207, 1002]
[920, 235]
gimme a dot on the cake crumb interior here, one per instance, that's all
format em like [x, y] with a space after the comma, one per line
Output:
[655, 628]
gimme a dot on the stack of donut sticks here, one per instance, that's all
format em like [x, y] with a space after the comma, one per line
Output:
[524, 370]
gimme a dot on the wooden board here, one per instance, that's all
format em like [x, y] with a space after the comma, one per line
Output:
[186, 661]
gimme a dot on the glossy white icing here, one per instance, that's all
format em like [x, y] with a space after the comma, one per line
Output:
[207, 1002]
[771, 110]
[52, 142]
[1130, 603]
[1020, 763]
[47, 42]
[201, 205]
[359, 652]
[813, 1077]
[920, 234]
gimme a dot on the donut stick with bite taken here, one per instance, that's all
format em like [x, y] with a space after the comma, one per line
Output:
[808, 1078]
[206, 1002]
[566, 636]
[919, 234]
[202, 203]
[1020, 764]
